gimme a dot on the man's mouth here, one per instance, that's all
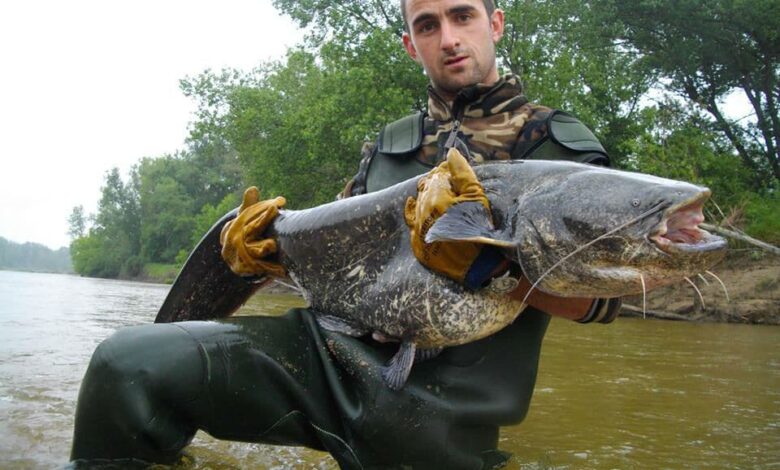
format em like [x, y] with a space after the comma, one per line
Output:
[457, 60]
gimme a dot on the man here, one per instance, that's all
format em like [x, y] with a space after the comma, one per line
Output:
[286, 381]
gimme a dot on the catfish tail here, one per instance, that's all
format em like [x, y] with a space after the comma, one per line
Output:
[206, 288]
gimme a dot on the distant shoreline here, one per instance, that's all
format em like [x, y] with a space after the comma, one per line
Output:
[36, 271]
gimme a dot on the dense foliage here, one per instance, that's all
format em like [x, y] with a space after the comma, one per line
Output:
[154, 214]
[649, 76]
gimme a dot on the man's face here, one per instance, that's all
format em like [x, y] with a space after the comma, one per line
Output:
[454, 40]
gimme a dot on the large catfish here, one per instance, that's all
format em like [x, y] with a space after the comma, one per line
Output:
[574, 230]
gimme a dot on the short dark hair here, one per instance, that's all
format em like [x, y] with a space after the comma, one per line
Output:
[490, 7]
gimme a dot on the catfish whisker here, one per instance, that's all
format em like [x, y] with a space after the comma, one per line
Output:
[693, 284]
[725, 291]
[703, 279]
[641, 216]
[295, 288]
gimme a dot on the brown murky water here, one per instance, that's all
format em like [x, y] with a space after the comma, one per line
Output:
[634, 394]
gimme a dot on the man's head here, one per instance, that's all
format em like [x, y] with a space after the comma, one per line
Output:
[454, 41]
[490, 7]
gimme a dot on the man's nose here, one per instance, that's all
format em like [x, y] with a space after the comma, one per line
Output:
[449, 36]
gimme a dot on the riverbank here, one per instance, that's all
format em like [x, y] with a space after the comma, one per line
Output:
[158, 273]
[751, 278]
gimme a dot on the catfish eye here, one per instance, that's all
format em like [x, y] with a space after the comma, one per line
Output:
[635, 202]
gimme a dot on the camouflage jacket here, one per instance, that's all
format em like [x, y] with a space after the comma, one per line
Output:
[496, 122]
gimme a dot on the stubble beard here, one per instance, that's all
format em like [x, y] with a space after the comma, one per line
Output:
[448, 85]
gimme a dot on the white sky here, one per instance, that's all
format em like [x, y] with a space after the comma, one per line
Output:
[87, 85]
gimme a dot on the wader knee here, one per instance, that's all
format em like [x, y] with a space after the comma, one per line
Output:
[134, 396]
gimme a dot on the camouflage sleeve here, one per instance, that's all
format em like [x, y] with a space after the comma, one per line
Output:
[357, 185]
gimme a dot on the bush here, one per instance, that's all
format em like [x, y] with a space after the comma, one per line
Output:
[762, 217]
[132, 267]
[160, 272]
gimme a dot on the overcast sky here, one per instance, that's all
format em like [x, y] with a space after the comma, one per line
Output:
[87, 85]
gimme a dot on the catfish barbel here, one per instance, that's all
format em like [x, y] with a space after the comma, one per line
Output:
[574, 230]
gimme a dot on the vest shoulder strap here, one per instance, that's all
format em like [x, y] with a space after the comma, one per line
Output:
[402, 136]
[567, 139]
[568, 131]
[391, 160]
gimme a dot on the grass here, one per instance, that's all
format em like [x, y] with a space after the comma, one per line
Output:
[160, 272]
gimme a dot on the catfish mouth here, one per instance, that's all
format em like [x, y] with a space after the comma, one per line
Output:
[678, 232]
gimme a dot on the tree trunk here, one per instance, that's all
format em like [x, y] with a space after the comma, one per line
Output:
[741, 237]
[765, 126]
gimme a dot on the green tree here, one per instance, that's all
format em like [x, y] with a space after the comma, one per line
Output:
[77, 223]
[167, 209]
[681, 144]
[112, 246]
[568, 57]
[298, 125]
[709, 49]
[119, 212]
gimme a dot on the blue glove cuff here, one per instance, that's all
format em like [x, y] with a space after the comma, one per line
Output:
[481, 270]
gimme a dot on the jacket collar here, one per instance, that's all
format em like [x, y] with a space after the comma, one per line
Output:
[477, 101]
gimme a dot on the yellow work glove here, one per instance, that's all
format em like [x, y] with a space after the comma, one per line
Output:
[243, 247]
[450, 183]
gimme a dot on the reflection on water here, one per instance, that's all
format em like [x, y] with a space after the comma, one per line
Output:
[634, 394]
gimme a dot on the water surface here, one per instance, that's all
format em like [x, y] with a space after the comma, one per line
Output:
[634, 394]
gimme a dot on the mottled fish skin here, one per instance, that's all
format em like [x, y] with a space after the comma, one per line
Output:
[353, 259]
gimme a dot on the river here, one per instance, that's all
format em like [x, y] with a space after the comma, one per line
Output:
[633, 394]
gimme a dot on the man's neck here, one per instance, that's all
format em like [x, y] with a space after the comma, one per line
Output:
[449, 97]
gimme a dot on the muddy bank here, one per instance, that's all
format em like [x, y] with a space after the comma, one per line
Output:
[751, 278]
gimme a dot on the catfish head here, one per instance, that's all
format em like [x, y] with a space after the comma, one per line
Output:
[586, 231]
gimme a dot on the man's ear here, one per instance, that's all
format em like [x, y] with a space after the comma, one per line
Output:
[409, 46]
[497, 25]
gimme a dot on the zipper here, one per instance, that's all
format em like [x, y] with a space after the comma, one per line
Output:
[457, 110]
[450, 143]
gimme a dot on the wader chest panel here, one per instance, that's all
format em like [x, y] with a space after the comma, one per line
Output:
[394, 160]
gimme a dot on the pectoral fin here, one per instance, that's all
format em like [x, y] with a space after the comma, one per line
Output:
[467, 221]
[339, 325]
[397, 370]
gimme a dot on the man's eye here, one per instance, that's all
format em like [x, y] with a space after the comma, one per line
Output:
[464, 18]
[426, 27]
